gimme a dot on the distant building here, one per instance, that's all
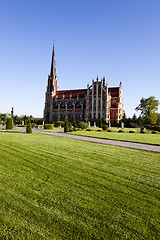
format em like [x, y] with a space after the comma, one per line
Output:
[97, 101]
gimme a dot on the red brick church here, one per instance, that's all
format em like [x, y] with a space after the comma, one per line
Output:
[97, 101]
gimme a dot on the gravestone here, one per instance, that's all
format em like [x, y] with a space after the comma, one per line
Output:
[94, 124]
[89, 124]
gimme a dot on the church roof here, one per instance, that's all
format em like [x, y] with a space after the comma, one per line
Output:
[71, 93]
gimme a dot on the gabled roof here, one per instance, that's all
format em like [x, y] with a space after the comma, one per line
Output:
[72, 93]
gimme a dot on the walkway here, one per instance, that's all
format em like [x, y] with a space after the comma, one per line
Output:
[139, 146]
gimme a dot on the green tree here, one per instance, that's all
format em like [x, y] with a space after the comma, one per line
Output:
[66, 125]
[140, 121]
[148, 108]
[9, 123]
[124, 119]
[158, 119]
[134, 118]
[29, 128]
[0, 121]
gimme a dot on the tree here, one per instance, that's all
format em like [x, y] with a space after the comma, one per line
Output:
[134, 118]
[148, 108]
[9, 123]
[0, 121]
[124, 119]
[158, 119]
[139, 121]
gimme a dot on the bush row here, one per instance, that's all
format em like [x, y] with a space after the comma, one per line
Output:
[156, 128]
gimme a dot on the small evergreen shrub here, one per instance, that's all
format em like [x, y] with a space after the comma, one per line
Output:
[70, 129]
[100, 130]
[82, 125]
[75, 123]
[89, 129]
[59, 124]
[154, 132]
[9, 123]
[121, 131]
[48, 126]
[74, 129]
[100, 123]
[143, 131]
[66, 125]
[110, 130]
[105, 127]
[132, 131]
[29, 128]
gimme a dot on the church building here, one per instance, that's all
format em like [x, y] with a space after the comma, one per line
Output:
[95, 102]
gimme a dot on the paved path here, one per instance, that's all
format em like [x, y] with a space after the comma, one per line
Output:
[139, 146]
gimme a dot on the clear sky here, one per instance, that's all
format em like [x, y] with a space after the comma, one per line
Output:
[118, 39]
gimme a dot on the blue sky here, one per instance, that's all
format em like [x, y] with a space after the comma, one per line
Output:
[116, 39]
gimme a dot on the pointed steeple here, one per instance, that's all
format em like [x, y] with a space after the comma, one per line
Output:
[53, 64]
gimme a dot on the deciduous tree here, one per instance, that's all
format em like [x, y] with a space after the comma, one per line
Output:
[148, 108]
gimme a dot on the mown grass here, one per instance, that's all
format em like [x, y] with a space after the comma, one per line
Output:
[57, 188]
[130, 137]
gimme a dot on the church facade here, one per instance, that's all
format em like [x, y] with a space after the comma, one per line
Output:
[95, 102]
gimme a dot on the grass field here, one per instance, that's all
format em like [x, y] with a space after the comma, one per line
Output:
[57, 188]
[131, 137]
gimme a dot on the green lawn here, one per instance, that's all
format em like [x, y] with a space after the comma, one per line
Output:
[57, 188]
[131, 137]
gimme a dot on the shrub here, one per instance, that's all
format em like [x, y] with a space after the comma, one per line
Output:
[105, 127]
[48, 126]
[66, 125]
[143, 131]
[151, 127]
[110, 130]
[100, 130]
[9, 123]
[29, 128]
[79, 129]
[121, 131]
[89, 129]
[154, 132]
[74, 123]
[100, 123]
[59, 124]
[74, 129]
[0, 121]
[82, 125]
[70, 129]
[132, 131]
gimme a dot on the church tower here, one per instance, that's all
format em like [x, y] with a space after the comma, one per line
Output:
[52, 88]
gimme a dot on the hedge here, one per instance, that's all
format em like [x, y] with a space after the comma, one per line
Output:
[48, 126]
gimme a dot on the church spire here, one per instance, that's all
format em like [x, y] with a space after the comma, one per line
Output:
[53, 64]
